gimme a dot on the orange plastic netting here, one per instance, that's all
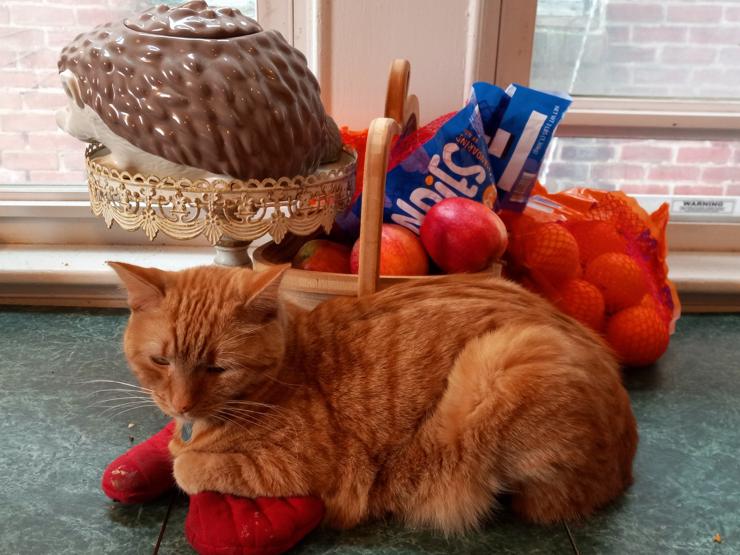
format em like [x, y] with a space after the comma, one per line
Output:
[600, 258]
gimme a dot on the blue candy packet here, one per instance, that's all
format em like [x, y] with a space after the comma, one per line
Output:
[490, 151]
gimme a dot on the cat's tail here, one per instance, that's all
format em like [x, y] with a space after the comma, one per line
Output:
[530, 410]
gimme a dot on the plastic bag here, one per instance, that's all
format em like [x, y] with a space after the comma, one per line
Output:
[489, 151]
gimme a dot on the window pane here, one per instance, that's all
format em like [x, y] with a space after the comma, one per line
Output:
[667, 168]
[653, 48]
[32, 149]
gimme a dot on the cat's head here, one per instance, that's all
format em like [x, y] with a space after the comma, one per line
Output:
[203, 337]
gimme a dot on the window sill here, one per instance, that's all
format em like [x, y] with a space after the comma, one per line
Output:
[76, 275]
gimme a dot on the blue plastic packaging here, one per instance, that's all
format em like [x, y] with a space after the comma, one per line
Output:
[490, 151]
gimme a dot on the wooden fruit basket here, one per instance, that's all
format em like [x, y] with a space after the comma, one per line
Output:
[308, 288]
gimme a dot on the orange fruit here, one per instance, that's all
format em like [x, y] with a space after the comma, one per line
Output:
[619, 278]
[551, 253]
[595, 237]
[638, 335]
[582, 301]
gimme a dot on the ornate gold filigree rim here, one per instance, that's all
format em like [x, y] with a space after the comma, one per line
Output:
[234, 209]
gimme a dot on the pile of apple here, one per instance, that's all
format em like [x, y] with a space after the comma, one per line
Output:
[457, 234]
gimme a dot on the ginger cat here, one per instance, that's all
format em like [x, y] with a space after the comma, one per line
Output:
[424, 401]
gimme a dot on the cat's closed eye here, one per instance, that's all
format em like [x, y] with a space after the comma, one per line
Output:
[215, 369]
[161, 361]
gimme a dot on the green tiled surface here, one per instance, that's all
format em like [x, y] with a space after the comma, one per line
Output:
[53, 447]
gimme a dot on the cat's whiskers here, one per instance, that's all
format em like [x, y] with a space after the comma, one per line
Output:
[245, 419]
[110, 417]
[133, 386]
[116, 390]
[126, 404]
[103, 402]
[227, 419]
[243, 403]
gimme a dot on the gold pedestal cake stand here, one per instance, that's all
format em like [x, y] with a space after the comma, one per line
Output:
[230, 214]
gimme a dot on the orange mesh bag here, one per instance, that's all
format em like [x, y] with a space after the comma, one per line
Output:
[599, 257]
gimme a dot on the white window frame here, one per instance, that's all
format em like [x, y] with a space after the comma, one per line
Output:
[499, 39]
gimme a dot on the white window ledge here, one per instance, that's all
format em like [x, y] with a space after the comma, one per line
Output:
[76, 275]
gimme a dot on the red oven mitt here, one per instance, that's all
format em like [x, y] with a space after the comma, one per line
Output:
[217, 524]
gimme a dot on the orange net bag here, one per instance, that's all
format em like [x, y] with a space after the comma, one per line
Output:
[601, 258]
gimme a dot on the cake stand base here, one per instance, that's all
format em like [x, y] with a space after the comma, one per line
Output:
[230, 252]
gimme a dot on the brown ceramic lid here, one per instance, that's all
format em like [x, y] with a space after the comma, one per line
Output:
[205, 87]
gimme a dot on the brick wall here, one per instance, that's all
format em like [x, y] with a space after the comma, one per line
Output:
[668, 48]
[32, 34]
[645, 166]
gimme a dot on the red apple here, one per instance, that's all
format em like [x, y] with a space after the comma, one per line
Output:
[320, 255]
[401, 253]
[462, 235]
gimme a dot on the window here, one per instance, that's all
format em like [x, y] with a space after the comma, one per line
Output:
[666, 76]
[32, 149]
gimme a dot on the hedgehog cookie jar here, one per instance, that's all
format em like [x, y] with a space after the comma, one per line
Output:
[196, 92]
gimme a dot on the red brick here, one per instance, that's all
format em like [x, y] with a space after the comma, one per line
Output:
[718, 154]
[52, 141]
[629, 11]
[27, 122]
[39, 58]
[18, 79]
[12, 177]
[715, 35]
[733, 190]
[39, 15]
[10, 101]
[630, 53]
[660, 35]
[730, 56]
[28, 160]
[645, 189]
[699, 190]
[581, 153]
[41, 177]
[696, 13]
[686, 55]
[617, 172]
[73, 159]
[21, 39]
[646, 153]
[660, 75]
[4, 15]
[716, 76]
[95, 16]
[47, 78]
[58, 39]
[569, 171]
[736, 158]
[721, 174]
[46, 100]
[732, 13]
[674, 173]
[12, 141]
[618, 33]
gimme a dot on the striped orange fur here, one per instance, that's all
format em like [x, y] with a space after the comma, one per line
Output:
[425, 401]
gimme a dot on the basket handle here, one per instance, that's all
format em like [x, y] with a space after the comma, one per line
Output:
[401, 116]
[399, 104]
[378, 150]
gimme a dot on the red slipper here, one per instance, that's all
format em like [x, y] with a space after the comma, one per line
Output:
[220, 524]
[142, 473]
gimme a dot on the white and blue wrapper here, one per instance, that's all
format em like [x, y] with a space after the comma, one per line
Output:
[490, 151]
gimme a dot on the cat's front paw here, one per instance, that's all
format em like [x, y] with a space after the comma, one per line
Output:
[189, 473]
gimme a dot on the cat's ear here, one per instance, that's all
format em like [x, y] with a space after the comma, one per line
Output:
[262, 290]
[145, 286]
